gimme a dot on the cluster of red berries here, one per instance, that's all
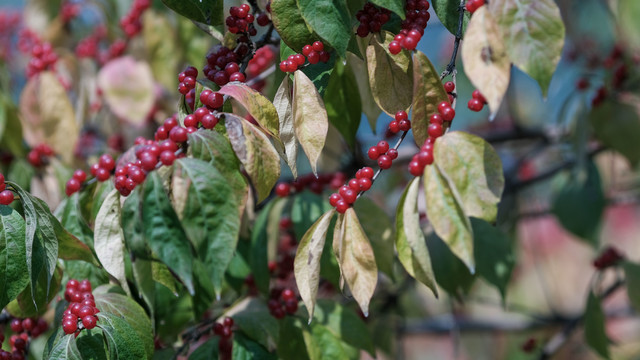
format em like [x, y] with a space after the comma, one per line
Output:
[6, 195]
[240, 20]
[224, 329]
[477, 101]
[348, 194]
[609, 257]
[417, 17]
[371, 19]
[424, 157]
[37, 157]
[43, 58]
[73, 185]
[24, 330]
[222, 65]
[282, 303]
[261, 61]
[383, 154]
[131, 23]
[473, 5]
[314, 53]
[187, 80]
[82, 307]
[88, 47]
[314, 184]
[68, 11]
[401, 122]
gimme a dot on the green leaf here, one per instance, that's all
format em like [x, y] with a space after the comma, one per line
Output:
[330, 20]
[580, 204]
[307, 261]
[291, 344]
[123, 341]
[390, 76]
[70, 215]
[474, 169]
[143, 275]
[306, 209]
[14, 276]
[206, 351]
[356, 259]
[494, 255]
[448, 12]
[288, 21]
[129, 313]
[255, 321]
[594, 327]
[311, 122]
[209, 12]
[133, 227]
[109, 239]
[215, 148]
[628, 12]
[92, 345]
[533, 33]
[258, 106]
[65, 348]
[410, 242]
[204, 294]
[283, 103]
[258, 256]
[428, 92]
[210, 217]
[618, 127]
[397, 6]
[256, 153]
[34, 303]
[447, 216]
[485, 58]
[342, 102]
[369, 106]
[163, 231]
[632, 278]
[379, 229]
[451, 273]
[245, 349]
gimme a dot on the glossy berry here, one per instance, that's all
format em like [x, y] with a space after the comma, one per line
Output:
[384, 162]
[167, 157]
[373, 153]
[78, 175]
[415, 168]
[401, 115]
[69, 327]
[394, 127]
[72, 186]
[367, 172]
[448, 114]
[227, 322]
[6, 197]
[435, 130]
[436, 119]
[334, 198]
[404, 125]
[28, 324]
[16, 325]
[283, 189]
[106, 162]
[342, 206]
[393, 154]
[365, 184]
[382, 147]
[317, 46]
[477, 95]
[89, 322]
[178, 134]
[449, 86]
[288, 294]
[395, 47]
[475, 105]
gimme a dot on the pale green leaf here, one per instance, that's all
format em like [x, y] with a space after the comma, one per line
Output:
[428, 92]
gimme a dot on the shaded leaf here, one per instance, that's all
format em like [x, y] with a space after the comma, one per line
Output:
[65, 348]
[428, 92]
[258, 255]
[283, 103]
[163, 232]
[259, 158]
[14, 276]
[307, 260]
[330, 20]
[246, 349]
[397, 6]
[474, 168]
[109, 239]
[451, 273]
[310, 118]
[447, 216]
[369, 106]
[205, 11]
[494, 255]
[448, 12]
[123, 341]
[533, 34]
[255, 321]
[356, 259]
[485, 58]
[410, 241]
[594, 327]
[618, 127]
[390, 76]
[342, 102]
[379, 229]
[632, 278]
[210, 217]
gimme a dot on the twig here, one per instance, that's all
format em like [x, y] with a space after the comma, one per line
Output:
[451, 67]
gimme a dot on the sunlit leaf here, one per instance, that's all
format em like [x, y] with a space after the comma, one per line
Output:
[428, 92]
[260, 108]
[288, 21]
[330, 20]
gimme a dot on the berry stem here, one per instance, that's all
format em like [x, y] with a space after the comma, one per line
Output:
[451, 67]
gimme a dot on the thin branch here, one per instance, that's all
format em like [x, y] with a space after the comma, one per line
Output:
[451, 67]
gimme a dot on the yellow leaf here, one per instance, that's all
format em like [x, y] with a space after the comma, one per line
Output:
[311, 122]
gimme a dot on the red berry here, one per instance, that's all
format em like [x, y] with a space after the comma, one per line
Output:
[16, 325]
[73, 185]
[215, 100]
[106, 162]
[167, 157]
[89, 322]
[72, 284]
[284, 66]
[394, 127]
[384, 162]
[364, 183]
[178, 134]
[404, 125]
[436, 119]
[477, 95]
[263, 19]
[443, 105]
[78, 175]
[85, 311]
[6, 197]
[190, 120]
[409, 43]
[288, 294]
[70, 326]
[448, 114]
[313, 57]
[395, 47]
[393, 154]
[231, 68]
[415, 168]
[342, 206]
[237, 76]
[318, 46]
[373, 153]
[306, 50]
[161, 133]
[209, 121]
[435, 130]
[425, 157]
[28, 324]
[291, 306]
[449, 86]
[475, 105]
[204, 94]
[401, 115]
[354, 185]
[168, 145]
[334, 198]
[191, 71]
[228, 322]
[218, 328]
[367, 172]
[283, 189]
[382, 146]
